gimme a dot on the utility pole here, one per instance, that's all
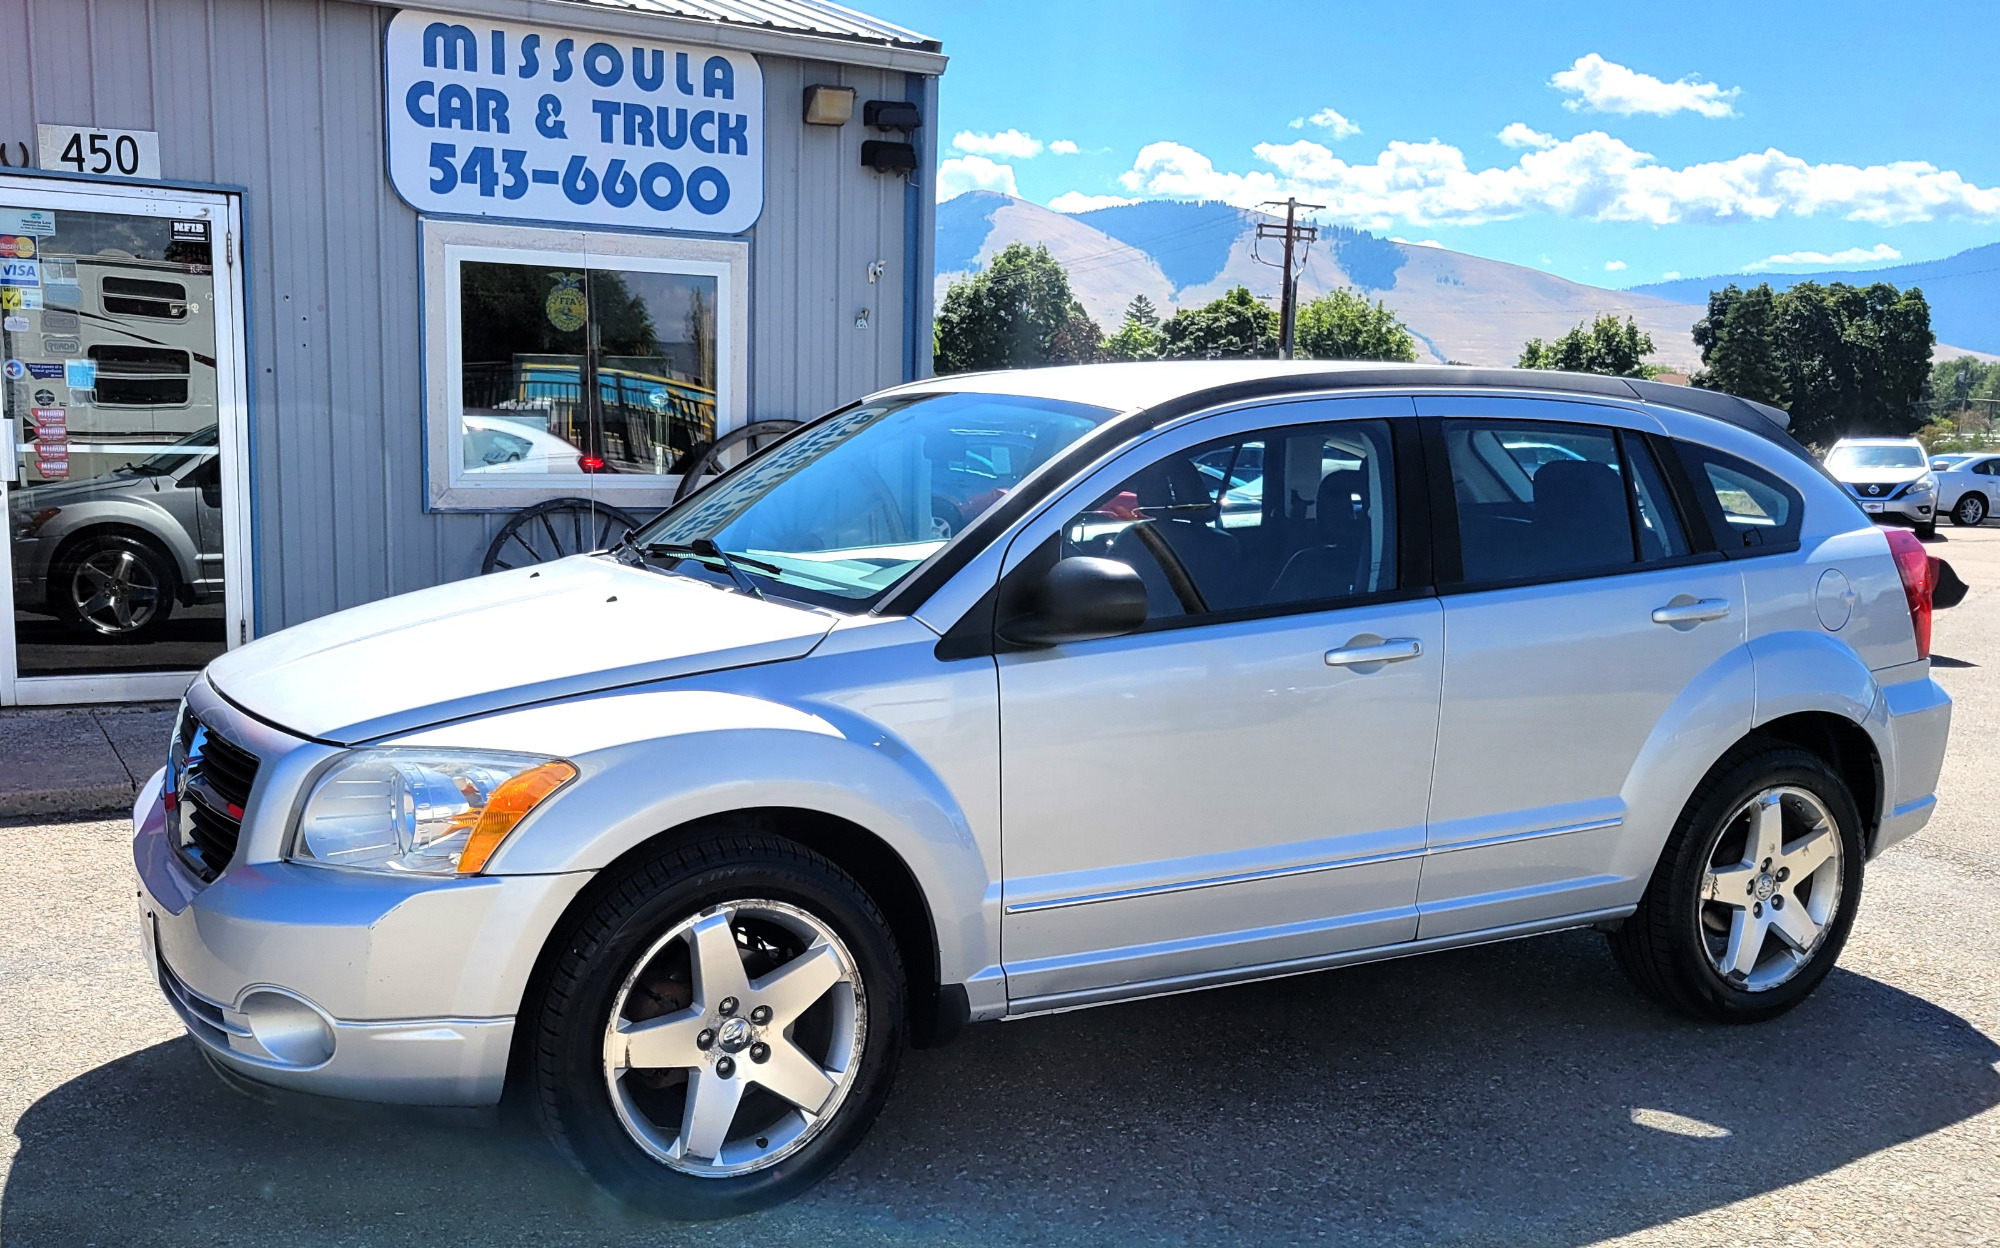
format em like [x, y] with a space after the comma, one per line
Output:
[1288, 298]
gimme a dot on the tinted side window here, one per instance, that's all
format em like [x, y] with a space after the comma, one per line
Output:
[1751, 511]
[1546, 501]
[1304, 514]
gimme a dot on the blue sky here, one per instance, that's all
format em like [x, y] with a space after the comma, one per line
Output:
[1646, 140]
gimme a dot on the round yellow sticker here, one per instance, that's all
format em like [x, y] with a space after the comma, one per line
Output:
[565, 305]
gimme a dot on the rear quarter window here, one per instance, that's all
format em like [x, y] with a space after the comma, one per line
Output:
[1750, 511]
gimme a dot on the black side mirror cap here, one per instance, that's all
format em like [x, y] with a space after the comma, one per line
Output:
[1081, 599]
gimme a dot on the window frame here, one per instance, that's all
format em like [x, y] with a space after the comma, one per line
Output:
[1448, 555]
[1032, 546]
[1687, 455]
[448, 244]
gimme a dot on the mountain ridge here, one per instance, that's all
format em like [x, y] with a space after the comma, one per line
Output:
[1183, 253]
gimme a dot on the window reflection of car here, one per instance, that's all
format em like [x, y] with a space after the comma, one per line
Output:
[111, 555]
[496, 444]
[1532, 455]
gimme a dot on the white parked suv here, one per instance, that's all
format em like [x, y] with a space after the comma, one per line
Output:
[1891, 478]
[682, 843]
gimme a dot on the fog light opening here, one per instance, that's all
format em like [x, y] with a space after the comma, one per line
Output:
[290, 1030]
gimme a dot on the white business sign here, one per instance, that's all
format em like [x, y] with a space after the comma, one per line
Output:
[494, 119]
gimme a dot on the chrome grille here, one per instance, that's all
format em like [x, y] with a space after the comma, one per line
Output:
[209, 782]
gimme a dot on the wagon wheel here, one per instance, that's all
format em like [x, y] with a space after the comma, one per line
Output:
[730, 449]
[561, 526]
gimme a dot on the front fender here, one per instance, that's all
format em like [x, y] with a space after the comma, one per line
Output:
[139, 514]
[656, 760]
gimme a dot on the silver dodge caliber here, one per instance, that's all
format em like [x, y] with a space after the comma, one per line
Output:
[1252, 670]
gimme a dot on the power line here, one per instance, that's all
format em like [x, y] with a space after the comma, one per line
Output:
[1293, 233]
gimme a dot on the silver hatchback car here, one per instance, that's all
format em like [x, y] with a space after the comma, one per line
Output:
[1254, 669]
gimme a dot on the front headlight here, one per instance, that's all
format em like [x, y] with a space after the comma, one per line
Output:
[1925, 484]
[424, 811]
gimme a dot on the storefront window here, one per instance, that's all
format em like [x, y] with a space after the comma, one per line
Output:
[576, 370]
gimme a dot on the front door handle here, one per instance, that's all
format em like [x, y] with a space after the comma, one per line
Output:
[1686, 610]
[1365, 650]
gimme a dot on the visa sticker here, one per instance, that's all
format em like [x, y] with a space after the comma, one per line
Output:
[18, 272]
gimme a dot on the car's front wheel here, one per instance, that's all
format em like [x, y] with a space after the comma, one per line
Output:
[722, 1029]
[1754, 893]
[113, 585]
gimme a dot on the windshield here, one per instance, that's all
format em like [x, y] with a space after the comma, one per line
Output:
[839, 513]
[1849, 458]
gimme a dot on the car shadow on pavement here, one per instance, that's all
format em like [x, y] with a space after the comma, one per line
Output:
[1514, 1094]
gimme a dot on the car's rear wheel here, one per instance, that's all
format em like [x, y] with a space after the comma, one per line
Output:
[721, 1029]
[1755, 892]
[1970, 511]
[113, 586]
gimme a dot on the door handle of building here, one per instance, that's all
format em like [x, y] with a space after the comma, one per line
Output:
[1361, 652]
[1693, 611]
[10, 463]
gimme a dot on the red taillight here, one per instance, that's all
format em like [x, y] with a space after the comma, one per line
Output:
[590, 463]
[1915, 568]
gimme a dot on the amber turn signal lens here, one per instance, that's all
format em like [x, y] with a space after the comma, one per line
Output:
[510, 804]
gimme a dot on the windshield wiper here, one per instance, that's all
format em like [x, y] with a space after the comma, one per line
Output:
[705, 548]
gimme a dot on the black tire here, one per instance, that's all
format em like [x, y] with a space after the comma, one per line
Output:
[633, 911]
[1662, 946]
[1969, 511]
[1925, 532]
[147, 598]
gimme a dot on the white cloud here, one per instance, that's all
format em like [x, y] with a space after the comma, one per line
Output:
[1614, 266]
[960, 174]
[1063, 147]
[1602, 86]
[1006, 143]
[1590, 177]
[1671, 275]
[1853, 255]
[1340, 127]
[1517, 134]
[1077, 201]
[1416, 242]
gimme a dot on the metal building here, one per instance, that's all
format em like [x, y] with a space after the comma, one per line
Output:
[304, 299]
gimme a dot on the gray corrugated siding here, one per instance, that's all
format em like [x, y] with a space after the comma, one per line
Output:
[284, 99]
[802, 15]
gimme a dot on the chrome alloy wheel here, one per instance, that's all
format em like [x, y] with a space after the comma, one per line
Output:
[114, 592]
[1970, 510]
[1772, 889]
[735, 1038]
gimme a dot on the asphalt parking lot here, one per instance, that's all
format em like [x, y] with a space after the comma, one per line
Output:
[1518, 1094]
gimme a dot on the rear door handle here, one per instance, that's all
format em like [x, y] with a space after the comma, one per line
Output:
[1360, 653]
[1694, 611]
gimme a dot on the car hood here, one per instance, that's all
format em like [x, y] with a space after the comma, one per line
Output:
[477, 646]
[82, 489]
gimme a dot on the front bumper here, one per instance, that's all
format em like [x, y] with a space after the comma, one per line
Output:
[1919, 509]
[342, 983]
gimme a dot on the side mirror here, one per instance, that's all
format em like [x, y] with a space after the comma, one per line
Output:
[1079, 599]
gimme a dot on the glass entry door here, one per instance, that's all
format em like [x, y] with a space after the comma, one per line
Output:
[123, 421]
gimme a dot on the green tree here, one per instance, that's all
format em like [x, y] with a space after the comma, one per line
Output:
[1017, 312]
[1345, 326]
[1139, 338]
[1739, 344]
[1236, 326]
[1606, 345]
[1847, 359]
